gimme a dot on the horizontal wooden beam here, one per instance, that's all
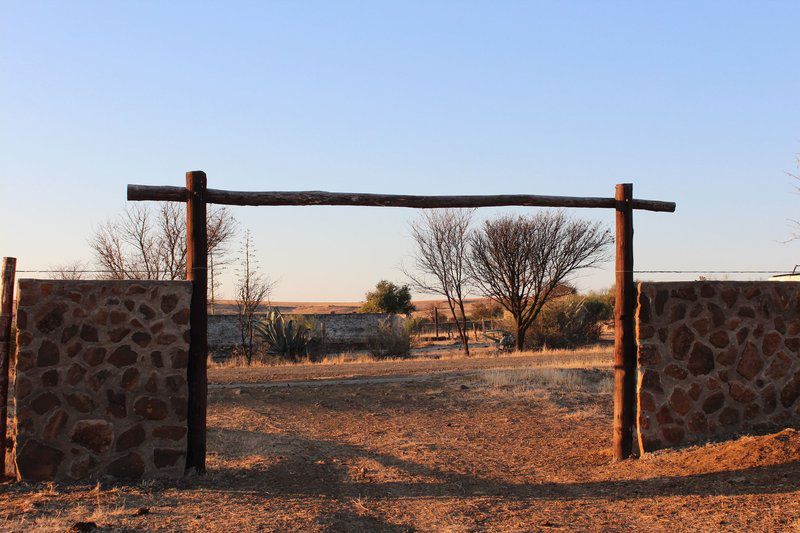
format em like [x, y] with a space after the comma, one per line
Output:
[217, 196]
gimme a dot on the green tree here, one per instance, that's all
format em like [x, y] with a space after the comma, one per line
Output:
[388, 298]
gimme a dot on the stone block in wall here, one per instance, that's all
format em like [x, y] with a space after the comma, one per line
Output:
[716, 358]
[101, 379]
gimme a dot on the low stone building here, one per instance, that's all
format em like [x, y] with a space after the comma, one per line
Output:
[332, 332]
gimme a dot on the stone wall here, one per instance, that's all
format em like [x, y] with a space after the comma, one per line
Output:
[100, 388]
[342, 332]
[716, 359]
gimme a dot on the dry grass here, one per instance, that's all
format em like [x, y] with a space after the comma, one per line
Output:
[440, 351]
[564, 379]
[476, 449]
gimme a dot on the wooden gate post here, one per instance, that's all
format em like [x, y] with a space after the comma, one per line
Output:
[197, 273]
[6, 313]
[624, 337]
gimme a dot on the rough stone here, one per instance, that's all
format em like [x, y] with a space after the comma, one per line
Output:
[141, 338]
[89, 333]
[50, 378]
[123, 356]
[740, 392]
[791, 391]
[179, 359]
[152, 383]
[82, 467]
[165, 457]
[157, 359]
[729, 416]
[130, 379]
[116, 405]
[772, 341]
[751, 362]
[131, 438]
[48, 354]
[130, 466]
[646, 402]
[151, 408]
[169, 432]
[45, 402]
[83, 403]
[52, 319]
[147, 312]
[680, 401]
[118, 334]
[55, 424]
[701, 359]
[68, 333]
[675, 371]
[697, 423]
[168, 303]
[779, 367]
[94, 435]
[719, 339]
[97, 379]
[37, 461]
[94, 356]
[714, 402]
[681, 342]
[673, 434]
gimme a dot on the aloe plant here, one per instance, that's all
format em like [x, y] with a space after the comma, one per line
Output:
[286, 338]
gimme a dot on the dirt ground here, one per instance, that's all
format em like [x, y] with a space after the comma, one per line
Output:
[460, 447]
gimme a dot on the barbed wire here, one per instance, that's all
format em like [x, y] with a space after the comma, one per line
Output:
[69, 271]
[59, 271]
[707, 271]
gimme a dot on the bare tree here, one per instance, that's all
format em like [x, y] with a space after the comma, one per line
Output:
[73, 270]
[251, 292]
[521, 261]
[440, 260]
[145, 243]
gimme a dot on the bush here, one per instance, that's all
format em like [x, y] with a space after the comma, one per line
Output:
[570, 321]
[486, 310]
[286, 339]
[391, 339]
[388, 298]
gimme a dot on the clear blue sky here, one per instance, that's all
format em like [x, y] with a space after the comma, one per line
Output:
[693, 102]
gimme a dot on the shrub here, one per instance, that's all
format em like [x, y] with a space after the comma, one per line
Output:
[486, 310]
[570, 321]
[388, 298]
[391, 339]
[286, 339]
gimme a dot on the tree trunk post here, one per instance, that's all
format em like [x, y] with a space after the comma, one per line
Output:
[436, 322]
[624, 338]
[197, 273]
[6, 314]
[520, 338]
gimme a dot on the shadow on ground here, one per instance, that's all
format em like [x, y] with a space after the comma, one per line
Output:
[318, 469]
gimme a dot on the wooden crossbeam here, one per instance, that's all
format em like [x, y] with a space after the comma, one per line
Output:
[273, 198]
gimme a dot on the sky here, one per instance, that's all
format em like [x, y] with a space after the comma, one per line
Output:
[692, 102]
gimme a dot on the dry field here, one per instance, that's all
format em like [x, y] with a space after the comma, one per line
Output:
[226, 307]
[486, 444]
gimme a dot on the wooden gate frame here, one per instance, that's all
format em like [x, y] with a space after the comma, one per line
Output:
[197, 196]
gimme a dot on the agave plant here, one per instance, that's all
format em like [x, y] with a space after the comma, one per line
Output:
[286, 338]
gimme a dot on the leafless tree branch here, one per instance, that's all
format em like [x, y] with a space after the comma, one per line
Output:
[521, 262]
